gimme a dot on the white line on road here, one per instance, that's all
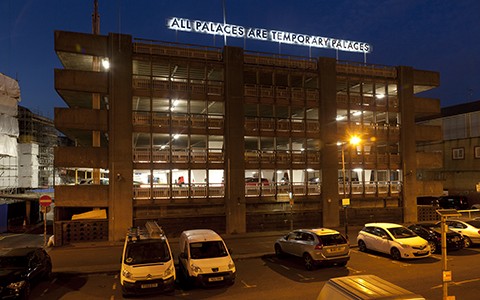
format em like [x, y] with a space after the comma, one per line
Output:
[248, 286]
[285, 267]
[304, 278]
[7, 236]
[114, 287]
[457, 283]
[353, 270]
[400, 263]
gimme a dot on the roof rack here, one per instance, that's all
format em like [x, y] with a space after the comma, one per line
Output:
[151, 231]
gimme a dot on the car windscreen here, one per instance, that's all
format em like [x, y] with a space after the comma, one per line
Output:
[9, 262]
[401, 232]
[332, 239]
[209, 249]
[147, 252]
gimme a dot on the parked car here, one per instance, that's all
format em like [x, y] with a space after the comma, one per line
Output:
[433, 235]
[147, 262]
[358, 287]
[205, 259]
[454, 201]
[315, 246]
[20, 268]
[256, 181]
[394, 239]
[470, 229]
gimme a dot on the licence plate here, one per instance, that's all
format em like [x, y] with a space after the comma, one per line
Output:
[334, 250]
[422, 252]
[213, 279]
[149, 285]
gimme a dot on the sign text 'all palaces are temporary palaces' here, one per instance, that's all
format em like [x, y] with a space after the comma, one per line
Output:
[267, 35]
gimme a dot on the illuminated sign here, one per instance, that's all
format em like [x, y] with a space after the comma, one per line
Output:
[267, 35]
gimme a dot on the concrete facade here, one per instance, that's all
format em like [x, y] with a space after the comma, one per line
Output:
[232, 140]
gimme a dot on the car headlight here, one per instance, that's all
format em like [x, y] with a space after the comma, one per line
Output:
[406, 246]
[169, 271]
[195, 268]
[16, 285]
[126, 274]
[231, 265]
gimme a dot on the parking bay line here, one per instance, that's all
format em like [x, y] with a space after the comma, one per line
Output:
[457, 283]
[248, 286]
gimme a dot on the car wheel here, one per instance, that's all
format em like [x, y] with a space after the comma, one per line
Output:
[362, 246]
[467, 241]
[308, 261]
[395, 254]
[433, 247]
[278, 251]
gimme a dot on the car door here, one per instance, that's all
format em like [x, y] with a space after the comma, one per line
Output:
[384, 240]
[456, 226]
[291, 242]
[370, 238]
[304, 243]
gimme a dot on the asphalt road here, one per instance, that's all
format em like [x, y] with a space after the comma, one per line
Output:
[271, 278]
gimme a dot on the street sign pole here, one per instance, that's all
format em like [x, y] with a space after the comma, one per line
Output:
[45, 202]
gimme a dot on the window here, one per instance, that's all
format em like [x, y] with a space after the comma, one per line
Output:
[458, 153]
[477, 152]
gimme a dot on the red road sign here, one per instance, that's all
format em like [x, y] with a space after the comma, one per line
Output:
[45, 200]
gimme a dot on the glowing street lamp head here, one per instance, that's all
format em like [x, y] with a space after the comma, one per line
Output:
[355, 140]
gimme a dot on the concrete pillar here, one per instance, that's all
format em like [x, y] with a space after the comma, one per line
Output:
[120, 207]
[328, 134]
[407, 143]
[235, 211]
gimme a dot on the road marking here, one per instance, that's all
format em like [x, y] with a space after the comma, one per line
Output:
[54, 279]
[457, 283]
[44, 292]
[112, 297]
[248, 286]
[285, 267]
[304, 278]
[353, 270]
[7, 236]
[114, 287]
[400, 263]
[183, 294]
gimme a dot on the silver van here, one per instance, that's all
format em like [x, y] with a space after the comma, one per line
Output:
[364, 287]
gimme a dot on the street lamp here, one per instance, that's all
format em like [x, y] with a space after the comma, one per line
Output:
[354, 140]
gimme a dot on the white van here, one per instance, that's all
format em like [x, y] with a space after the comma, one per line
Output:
[205, 259]
[363, 287]
[147, 262]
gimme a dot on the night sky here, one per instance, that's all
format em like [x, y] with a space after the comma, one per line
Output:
[439, 35]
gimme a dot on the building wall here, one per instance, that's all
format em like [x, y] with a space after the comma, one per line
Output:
[237, 141]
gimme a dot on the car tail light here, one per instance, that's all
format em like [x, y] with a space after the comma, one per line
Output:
[319, 246]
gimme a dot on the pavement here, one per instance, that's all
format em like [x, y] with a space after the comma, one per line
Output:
[105, 257]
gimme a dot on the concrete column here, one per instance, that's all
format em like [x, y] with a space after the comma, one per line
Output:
[407, 143]
[328, 133]
[235, 211]
[120, 207]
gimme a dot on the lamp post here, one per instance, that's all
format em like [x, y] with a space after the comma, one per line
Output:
[354, 140]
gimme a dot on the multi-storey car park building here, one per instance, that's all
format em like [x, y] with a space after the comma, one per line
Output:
[234, 140]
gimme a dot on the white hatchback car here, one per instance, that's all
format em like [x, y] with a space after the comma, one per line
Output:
[394, 239]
